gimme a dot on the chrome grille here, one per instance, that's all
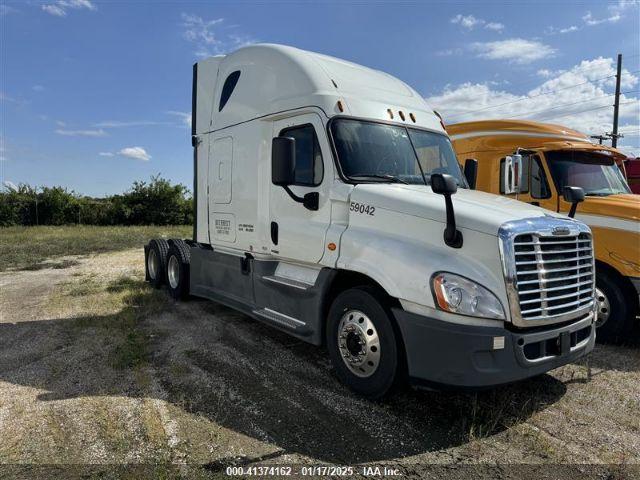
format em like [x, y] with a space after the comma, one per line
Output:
[554, 274]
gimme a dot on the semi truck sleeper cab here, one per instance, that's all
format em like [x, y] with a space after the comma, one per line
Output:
[330, 205]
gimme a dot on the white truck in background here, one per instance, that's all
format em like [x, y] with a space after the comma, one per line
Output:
[329, 204]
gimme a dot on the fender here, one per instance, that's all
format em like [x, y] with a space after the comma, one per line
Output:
[403, 260]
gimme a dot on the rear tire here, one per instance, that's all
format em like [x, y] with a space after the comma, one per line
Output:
[362, 343]
[156, 261]
[614, 299]
[178, 264]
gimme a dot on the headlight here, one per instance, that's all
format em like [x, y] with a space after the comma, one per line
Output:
[457, 294]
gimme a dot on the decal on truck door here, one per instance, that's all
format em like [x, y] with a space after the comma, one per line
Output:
[362, 208]
[224, 227]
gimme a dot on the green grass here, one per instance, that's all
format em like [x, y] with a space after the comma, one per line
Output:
[27, 248]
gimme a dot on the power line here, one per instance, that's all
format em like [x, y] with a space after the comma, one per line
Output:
[529, 97]
[535, 96]
[582, 111]
[572, 103]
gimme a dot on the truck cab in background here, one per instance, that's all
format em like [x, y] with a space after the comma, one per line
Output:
[632, 172]
[330, 205]
[553, 157]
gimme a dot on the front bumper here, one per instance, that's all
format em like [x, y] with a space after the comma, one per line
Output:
[441, 353]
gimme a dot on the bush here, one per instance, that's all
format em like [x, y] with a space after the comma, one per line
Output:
[156, 202]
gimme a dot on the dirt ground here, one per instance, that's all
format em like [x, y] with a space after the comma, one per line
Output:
[98, 369]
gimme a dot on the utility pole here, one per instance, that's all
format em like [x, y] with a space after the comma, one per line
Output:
[616, 105]
[600, 138]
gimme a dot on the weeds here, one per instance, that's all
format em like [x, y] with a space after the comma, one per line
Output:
[30, 248]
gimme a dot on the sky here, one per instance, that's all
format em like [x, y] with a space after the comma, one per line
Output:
[97, 94]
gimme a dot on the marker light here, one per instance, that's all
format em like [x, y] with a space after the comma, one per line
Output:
[401, 115]
[390, 113]
[412, 117]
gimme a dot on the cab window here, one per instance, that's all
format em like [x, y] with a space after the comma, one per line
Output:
[539, 183]
[309, 168]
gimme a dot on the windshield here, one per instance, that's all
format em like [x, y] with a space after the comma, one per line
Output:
[596, 173]
[370, 152]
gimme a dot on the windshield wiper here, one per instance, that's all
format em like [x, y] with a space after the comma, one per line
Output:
[391, 178]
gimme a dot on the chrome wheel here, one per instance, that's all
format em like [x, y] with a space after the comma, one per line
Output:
[604, 308]
[173, 271]
[153, 265]
[358, 343]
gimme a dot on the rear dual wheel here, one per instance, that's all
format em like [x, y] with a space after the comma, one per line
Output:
[178, 264]
[156, 261]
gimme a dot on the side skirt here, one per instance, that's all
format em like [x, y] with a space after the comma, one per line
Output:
[258, 289]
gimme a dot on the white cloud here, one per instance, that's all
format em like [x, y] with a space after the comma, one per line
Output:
[60, 123]
[37, 88]
[106, 154]
[570, 29]
[9, 185]
[185, 117]
[135, 123]
[497, 26]
[564, 98]
[591, 21]
[137, 153]
[470, 22]
[82, 133]
[199, 30]
[209, 37]
[54, 10]
[467, 21]
[59, 8]
[616, 12]
[514, 50]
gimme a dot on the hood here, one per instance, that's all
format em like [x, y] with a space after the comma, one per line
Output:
[626, 206]
[474, 210]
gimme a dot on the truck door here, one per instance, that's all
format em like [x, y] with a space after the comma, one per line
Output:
[221, 219]
[296, 232]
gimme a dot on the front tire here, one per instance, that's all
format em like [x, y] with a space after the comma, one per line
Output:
[362, 343]
[616, 310]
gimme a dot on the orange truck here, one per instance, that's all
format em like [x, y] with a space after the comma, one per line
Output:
[544, 159]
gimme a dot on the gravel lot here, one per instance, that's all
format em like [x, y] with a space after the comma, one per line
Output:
[98, 370]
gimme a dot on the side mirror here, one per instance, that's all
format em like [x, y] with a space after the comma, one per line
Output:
[283, 161]
[283, 167]
[471, 172]
[445, 185]
[512, 173]
[573, 195]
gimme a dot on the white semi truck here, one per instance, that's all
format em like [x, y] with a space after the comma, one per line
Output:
[329, 204]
